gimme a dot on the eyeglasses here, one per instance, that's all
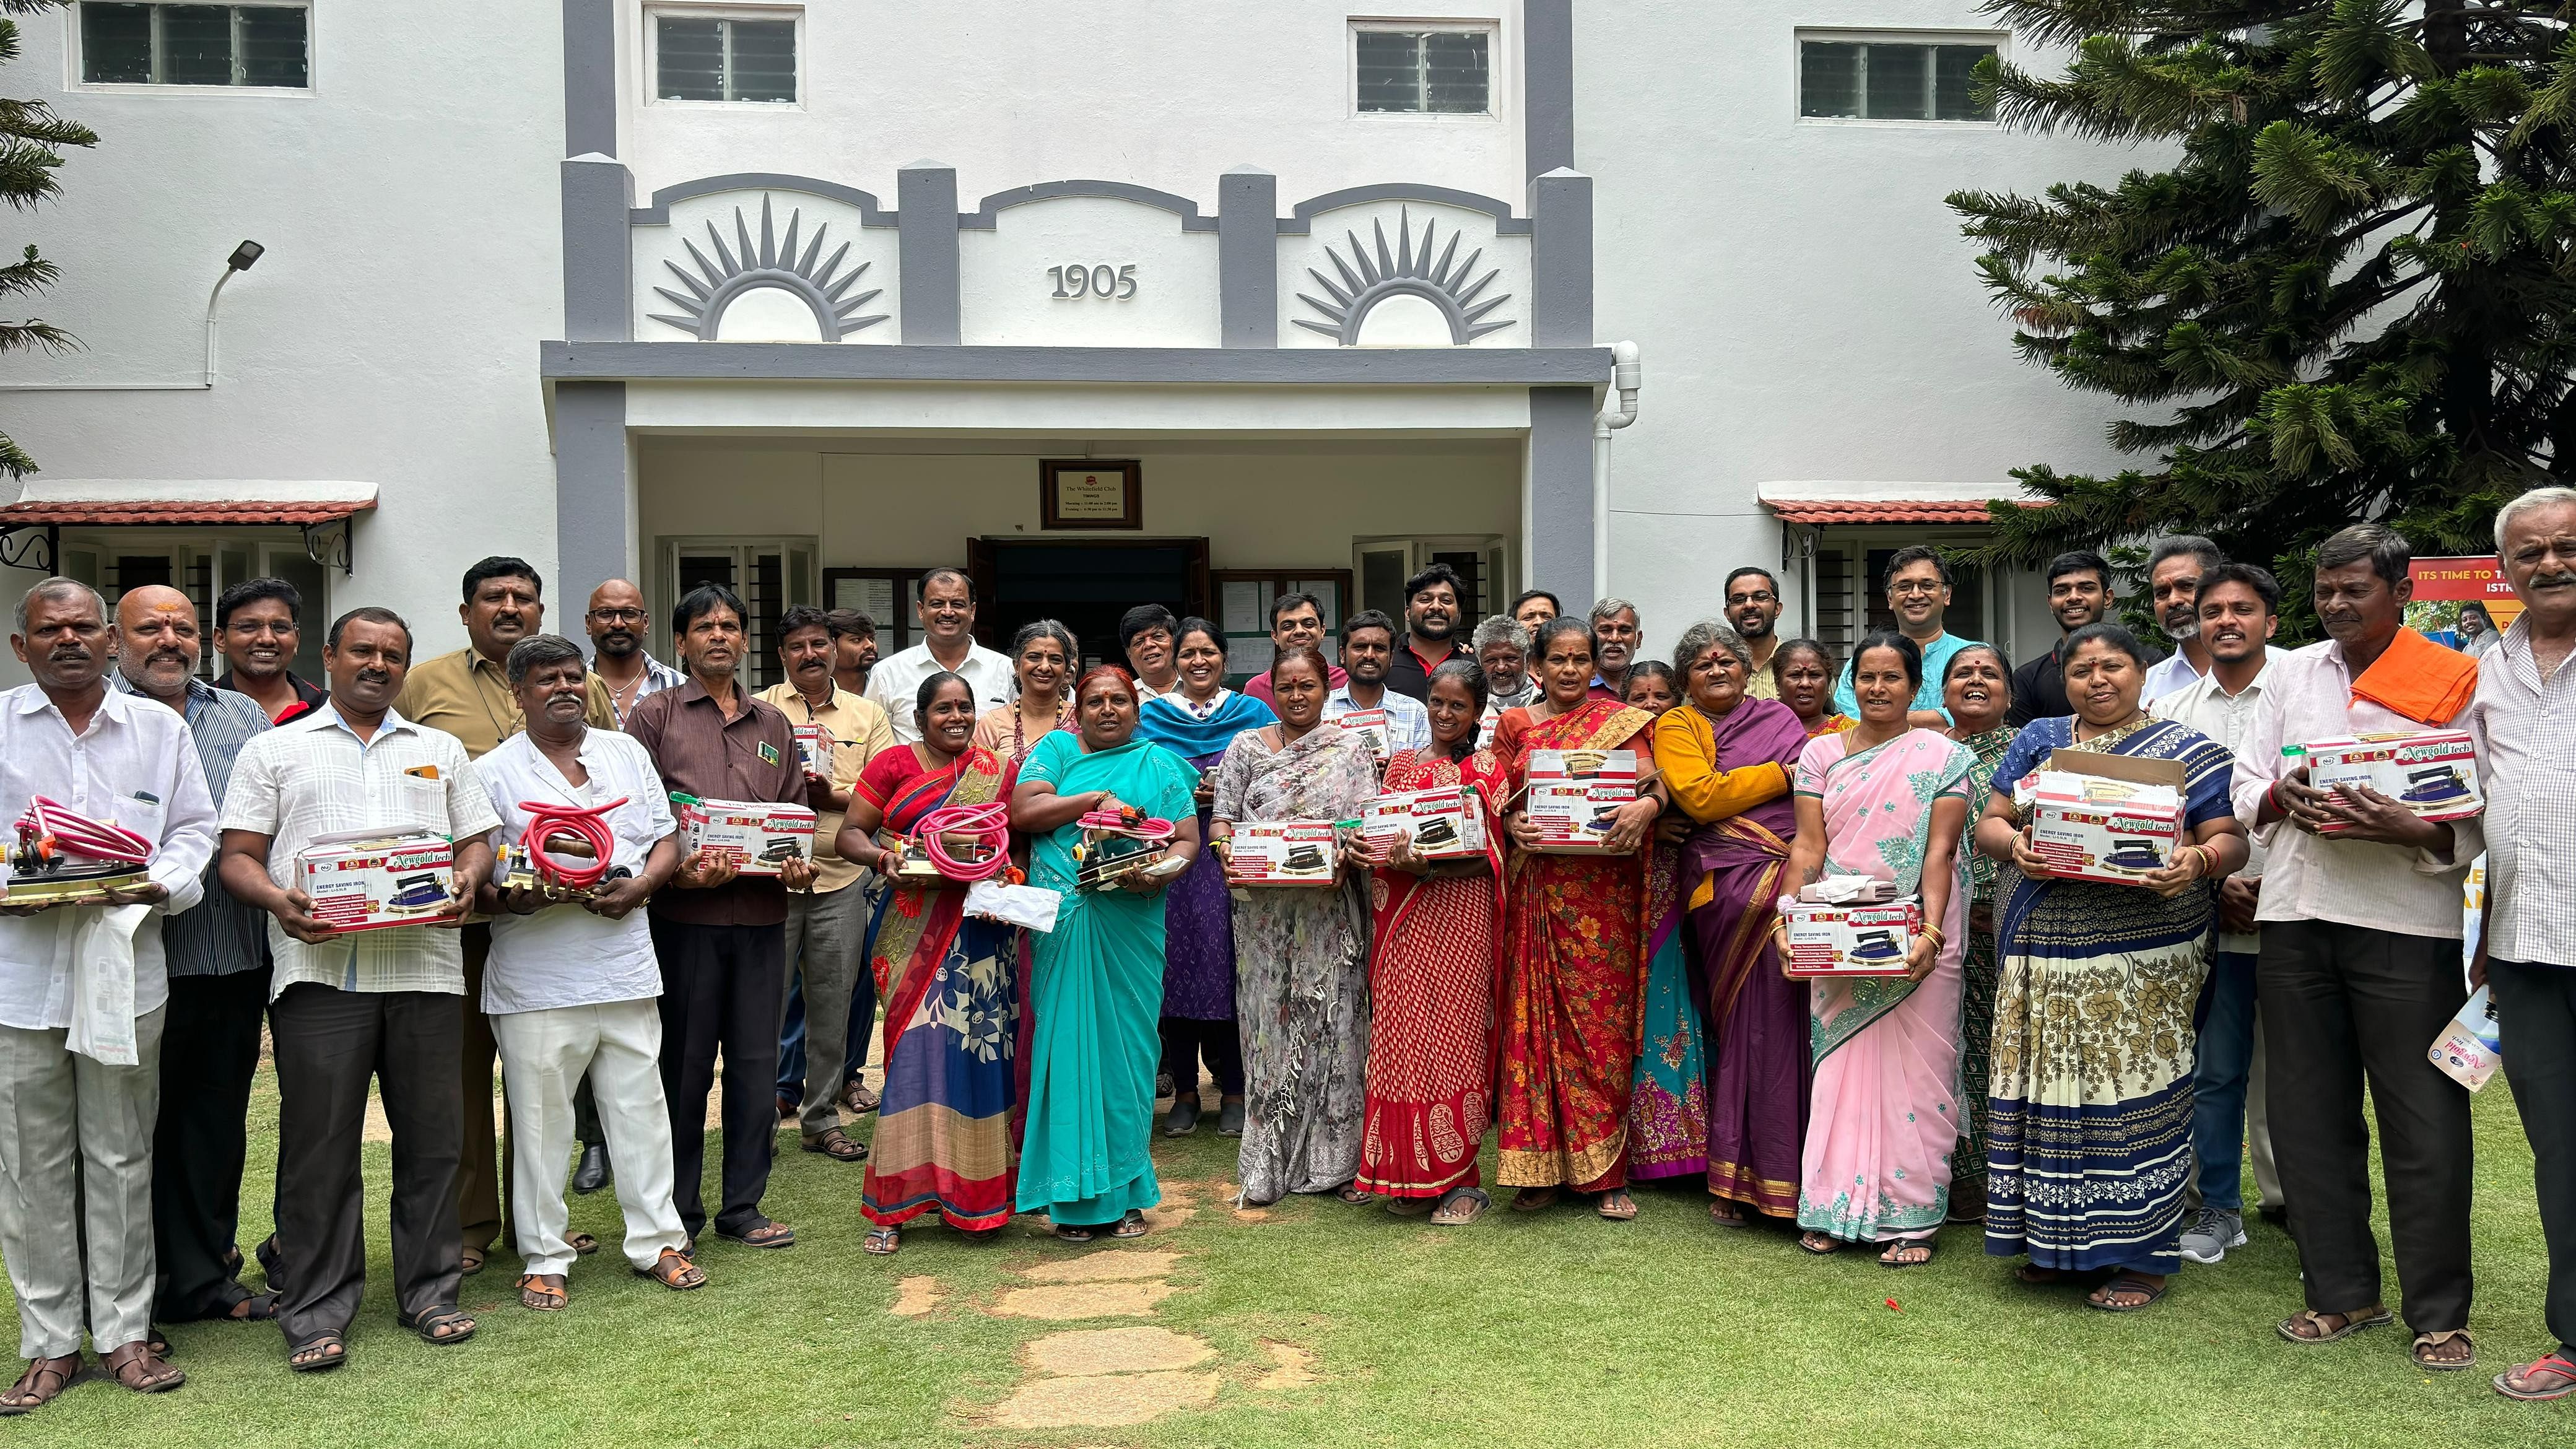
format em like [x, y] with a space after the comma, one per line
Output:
[1764, 596]
[1915, 586]
[618, 616]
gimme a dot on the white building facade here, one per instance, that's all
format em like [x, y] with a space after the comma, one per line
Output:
[1157, 302]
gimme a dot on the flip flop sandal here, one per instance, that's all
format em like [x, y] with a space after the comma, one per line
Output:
[1130, 1226]
[1900, 1264]
[1718, 1214]
[295, 1353]
[1807, 1243]
[1411, 1207]
[2558, 1364]
[1617, 1206]
[883, 1242]
[446, 1315]
[44, 1379]
[674, 1271]
[2438, 1339]
[982, 1235]
[257, 1308]
[767, 1235]
[582, 1244]
[1071, 1234]
[2351, 1325]
[2128, 1283]
[1527, 1201]
[1462, 1205]
[1352, 1195]
[543, 1292]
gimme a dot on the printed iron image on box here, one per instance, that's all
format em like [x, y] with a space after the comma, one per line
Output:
[758, 836]
[1833, 939]
[2113, 819]
[1371, 726]
[814, 750]
[2434, 773]
[1575, 794]
[372, 881]
[1444, 822]
[1283, 853]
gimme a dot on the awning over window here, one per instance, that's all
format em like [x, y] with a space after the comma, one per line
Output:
[299, 503]
[1819, 504]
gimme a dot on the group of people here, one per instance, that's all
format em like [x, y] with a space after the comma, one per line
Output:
[2080, 1068]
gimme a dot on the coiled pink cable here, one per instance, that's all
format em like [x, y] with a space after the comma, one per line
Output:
[589, 826]
[51, 820]
[987, 825]
[1141, 827]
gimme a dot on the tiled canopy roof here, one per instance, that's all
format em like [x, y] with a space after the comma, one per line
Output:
[1878, 510]
[233, 512]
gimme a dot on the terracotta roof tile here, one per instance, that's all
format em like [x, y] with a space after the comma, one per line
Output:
[234, 512]
[1814, 511]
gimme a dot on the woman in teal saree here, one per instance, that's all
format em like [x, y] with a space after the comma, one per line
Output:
[1098, 992]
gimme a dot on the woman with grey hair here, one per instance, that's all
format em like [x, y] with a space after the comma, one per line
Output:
[1502, 645]
[1043, 654]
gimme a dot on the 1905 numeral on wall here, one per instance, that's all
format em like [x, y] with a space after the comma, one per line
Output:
[1100, 281]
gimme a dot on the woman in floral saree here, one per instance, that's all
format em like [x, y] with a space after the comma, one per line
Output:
[1888, 801]
[1976, 688]
[2090, 1122]
[943, 1139]
[1301, 988]
[1668, 1091]
[1726, 758]
[1574, 960]
[1099, 987]
[1433, 958]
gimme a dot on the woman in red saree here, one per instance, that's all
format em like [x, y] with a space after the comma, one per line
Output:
[1433, 959]
[1574, 960]
[943, 1142]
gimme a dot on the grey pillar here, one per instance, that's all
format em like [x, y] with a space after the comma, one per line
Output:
[598, 256]
[594, 498]
[590, 77]
[1560, 208]
[926, 196]
[1547, 83]
[1560, 493]
[1247, 257]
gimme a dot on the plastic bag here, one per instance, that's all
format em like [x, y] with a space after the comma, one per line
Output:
[1019, 905]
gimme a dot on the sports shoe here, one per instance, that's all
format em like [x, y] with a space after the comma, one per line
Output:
[2212, 1233]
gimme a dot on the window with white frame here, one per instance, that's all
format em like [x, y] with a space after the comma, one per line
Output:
[1414, 68]
[708, 55]
[256, 46]
[1842, 76]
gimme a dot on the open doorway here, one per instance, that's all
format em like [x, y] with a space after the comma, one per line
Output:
[1084, 585]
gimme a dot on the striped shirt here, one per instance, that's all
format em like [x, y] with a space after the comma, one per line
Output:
[221, 936]
[314, 776]
[658, 676]
[2526, 728]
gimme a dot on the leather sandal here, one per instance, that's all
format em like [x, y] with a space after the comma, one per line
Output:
[44, 1378]
[582, 1244]
[767, 1235]
[858, 1098]
[138, 1368]
[674, 1271]
[836, 1144]
[443, 1325]
[1534, 1199]
[2315, 1324]
[543, 1292]
[2441, 1338]
[321, 1351]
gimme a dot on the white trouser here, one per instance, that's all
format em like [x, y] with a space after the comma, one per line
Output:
[75, 1170]
[544, 1055]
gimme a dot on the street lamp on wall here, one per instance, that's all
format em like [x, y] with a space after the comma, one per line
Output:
[244, 257]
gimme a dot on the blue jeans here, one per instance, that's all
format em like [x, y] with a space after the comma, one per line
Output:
[2226, 1057]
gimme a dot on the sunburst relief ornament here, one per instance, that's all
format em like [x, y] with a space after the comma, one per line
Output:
[773, 263]
[1407, 271]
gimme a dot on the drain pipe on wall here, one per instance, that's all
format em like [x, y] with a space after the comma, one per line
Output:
[1627, 375]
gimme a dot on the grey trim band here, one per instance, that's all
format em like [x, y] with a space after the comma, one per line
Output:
[1547, 84]
[1247, 257]
[1575, 370]
[1560, 492]
[1302, 221]
[1561, 260]
[593, 502]
[659, 213]
[987, 216]
[598, 259]
[926, 193]
[590, 77]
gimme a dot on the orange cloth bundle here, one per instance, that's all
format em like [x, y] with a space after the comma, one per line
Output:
[2419, 679]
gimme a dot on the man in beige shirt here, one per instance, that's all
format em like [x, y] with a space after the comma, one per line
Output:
[1753, 607]
[467, 694]
[827, 927]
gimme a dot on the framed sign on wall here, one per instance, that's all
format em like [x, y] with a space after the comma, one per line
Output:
[1091, 493]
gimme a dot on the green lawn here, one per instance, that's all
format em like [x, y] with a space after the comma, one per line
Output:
[1555, 1330]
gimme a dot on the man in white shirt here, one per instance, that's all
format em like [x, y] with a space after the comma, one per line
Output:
[1148, 635]
[2359, 969]
[2239, 605]
[947, 643]
[386, 1004]
[1368, 651]
[83, 994]
[570, 984]
[2174, 569]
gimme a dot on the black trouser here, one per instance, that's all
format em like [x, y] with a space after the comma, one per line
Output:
[2536, 1007]
[720, 988]
[1185, 1041]
[329, 1043]
[585, 1117]
[483, 1163]
[2341, 1004]
[200, 1144]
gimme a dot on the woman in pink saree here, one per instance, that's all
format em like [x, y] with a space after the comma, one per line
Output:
[1889, 801]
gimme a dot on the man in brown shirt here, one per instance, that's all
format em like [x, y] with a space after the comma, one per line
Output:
[721, 938]
[467, 694]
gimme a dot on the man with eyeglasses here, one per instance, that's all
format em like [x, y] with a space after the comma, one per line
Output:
[1918, 594]
[615, 623]
[1753, 608]
[257, 631]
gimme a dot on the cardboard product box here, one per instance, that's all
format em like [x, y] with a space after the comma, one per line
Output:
[1830, 940]
[2106, 818]
[1574, 793]
[759, 836]
[377, 882]
[814, 750]
[1445, 823]
[1371, 725]
[2434, 773]
[1283, 853]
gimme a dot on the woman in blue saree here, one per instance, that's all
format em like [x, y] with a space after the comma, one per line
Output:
[2089, 1122]
[1099, 990]
[1196, 721]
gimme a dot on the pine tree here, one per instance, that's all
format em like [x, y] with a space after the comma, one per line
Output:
[30, 132]
[2350, 294]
